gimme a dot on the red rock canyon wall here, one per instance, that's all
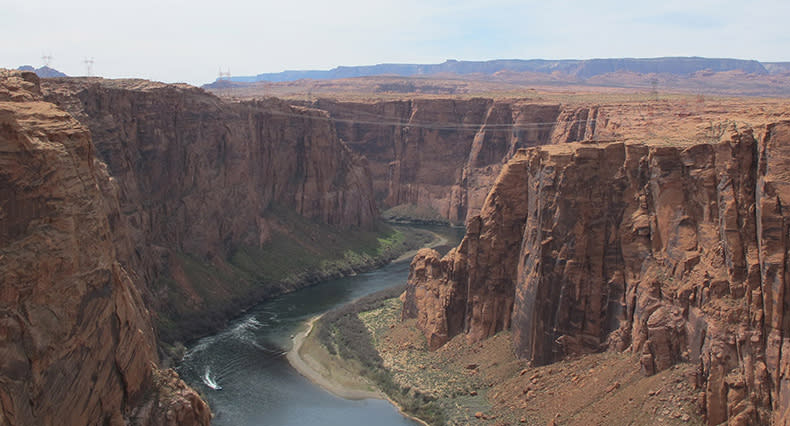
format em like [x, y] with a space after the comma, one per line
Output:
[197, 177]
[674, 251]
[446, 153]
[76, 342]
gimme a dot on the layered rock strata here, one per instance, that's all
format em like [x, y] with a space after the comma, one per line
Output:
[132, 192]
[442, 153]
[76, 342]
[198, 179]
[445, 154]
[674, 251]
[196, 158]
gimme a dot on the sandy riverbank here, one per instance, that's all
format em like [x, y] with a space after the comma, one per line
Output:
[308, 366]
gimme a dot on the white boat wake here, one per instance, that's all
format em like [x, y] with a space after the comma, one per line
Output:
[209, 381]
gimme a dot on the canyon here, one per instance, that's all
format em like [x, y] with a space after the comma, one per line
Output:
[204, 185]
[443, 154]
[128, 208]
[78, 346]
[136, 215]
[672, 250]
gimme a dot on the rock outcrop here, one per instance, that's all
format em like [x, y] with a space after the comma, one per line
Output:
[76, 341]
[196, 157]
[127, 196]
[440, 153]
[676, 251]
[199, 179]
[445, 154]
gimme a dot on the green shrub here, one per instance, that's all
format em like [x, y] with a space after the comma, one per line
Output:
[345, 335]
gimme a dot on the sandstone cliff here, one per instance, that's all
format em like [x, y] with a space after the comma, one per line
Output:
[439, 153]
[443, 155]
[675, 251]
[76, 341]
[205, 184]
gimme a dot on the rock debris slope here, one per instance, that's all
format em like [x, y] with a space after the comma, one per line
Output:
[676, 251]
[76, 341]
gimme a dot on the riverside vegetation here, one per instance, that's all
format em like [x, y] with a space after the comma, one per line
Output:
[301, 252]
[134, 204]
[346, 336]
[475, 383]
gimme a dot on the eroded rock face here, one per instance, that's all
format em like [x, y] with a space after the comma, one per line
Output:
[672, 251]
[76, 341]
[472, 289]
[441, 153]
[196, 158]
[198, 176]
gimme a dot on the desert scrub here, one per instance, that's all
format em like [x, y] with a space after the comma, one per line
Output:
[346, 335]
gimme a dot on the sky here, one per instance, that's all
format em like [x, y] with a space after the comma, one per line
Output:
[190, 41]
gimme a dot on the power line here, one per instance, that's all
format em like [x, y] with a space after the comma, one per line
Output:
[433, 126]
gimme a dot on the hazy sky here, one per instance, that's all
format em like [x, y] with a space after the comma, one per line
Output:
[190, 40]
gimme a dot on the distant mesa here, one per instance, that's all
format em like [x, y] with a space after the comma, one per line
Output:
[777, 67]
[43, 72]
[579, 68]
[223, 83]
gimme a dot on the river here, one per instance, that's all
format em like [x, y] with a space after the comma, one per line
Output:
[258, 386]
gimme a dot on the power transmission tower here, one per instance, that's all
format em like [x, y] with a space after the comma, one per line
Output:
[654, 86]
[88, 66]
[224, 76]
[47, 59]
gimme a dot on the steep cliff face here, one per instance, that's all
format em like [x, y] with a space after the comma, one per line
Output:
[674, 251]
[201, 179]
[76, 342]
[440, 153]
[194, 157]
[471, 289]
[445, 154]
